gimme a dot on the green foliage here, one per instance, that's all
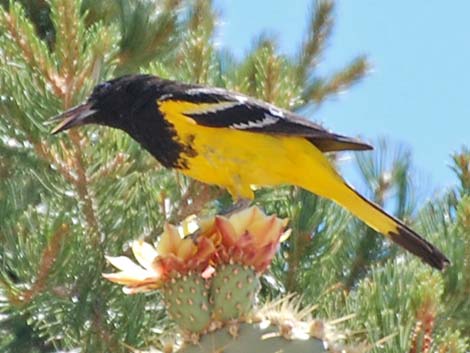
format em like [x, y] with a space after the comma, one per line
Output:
[154, 24]
[388, 179]
[67, 201]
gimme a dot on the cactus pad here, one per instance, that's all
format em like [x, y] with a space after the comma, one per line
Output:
[186, 299]
[233, 292]
[253, 338]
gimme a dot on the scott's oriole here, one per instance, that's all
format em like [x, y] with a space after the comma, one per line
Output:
[234, 141]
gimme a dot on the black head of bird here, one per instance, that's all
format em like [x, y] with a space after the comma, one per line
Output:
[110, 104]
[129, 103]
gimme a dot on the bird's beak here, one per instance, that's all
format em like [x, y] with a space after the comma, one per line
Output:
[76, 116]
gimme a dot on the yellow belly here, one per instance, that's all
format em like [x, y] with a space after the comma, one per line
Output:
[238, 160]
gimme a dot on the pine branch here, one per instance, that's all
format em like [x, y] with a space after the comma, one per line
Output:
[65, 16]
[321, 24]
[422, 337]
[48, 259]
[84, 192]
[322, 89]
[201, 16]
[38, 12]
[267, 74]
[28, 48]
[461, 167]
[148, 30]
[196, 55]
[246, 74]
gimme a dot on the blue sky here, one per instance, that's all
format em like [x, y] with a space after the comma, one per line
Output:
[419, 91]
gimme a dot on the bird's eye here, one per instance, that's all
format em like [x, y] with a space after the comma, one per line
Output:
[102, 88]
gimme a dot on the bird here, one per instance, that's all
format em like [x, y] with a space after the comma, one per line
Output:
[228, 139]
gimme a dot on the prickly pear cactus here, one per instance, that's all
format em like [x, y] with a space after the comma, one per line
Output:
[187, 302]
[210, 286]
[233, 291]
[246, 338]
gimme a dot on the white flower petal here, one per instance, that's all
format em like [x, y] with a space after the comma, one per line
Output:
[285, 235]
[127, 277]
[144, 253]
[123, 263]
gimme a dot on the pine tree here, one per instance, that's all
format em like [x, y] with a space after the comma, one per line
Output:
[65, 203]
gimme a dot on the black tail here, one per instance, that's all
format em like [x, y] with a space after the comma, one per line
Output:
[396, 230]
[414, 243]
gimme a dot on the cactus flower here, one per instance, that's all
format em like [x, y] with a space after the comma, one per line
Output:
[248, 237]
[155, 264]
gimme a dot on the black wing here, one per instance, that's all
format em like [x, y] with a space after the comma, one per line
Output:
[221, 108]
